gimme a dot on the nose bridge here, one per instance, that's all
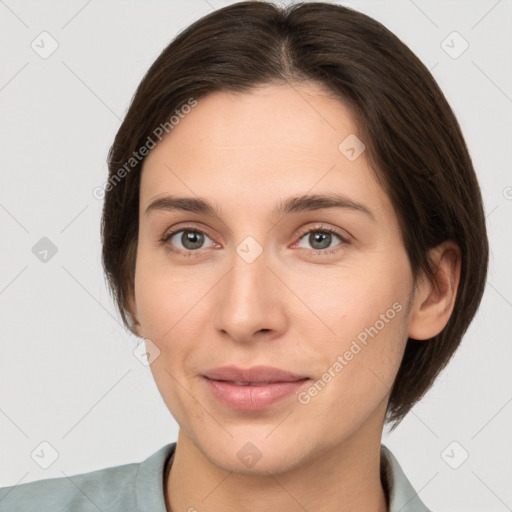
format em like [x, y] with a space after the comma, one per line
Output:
[248, 302]
[247, 285]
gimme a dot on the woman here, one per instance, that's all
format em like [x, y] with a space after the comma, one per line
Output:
[293, 224]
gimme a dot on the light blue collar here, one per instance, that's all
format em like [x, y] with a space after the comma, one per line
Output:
[402, 496]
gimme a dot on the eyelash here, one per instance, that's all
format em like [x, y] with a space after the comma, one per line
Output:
[305, 231]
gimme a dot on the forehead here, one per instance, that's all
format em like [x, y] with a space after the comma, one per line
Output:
[275, 140]
[297, 115]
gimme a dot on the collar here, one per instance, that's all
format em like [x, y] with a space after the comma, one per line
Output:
[400, 493]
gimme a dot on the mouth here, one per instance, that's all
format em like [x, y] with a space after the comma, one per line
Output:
[236, 383]
[253, 389]
[254, 375]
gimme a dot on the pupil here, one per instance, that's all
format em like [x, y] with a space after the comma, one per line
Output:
[192, 239]
[320, 236]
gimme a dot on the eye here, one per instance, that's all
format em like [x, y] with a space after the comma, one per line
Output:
[187, 240]
[320, 239]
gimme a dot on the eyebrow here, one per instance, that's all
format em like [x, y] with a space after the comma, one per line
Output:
[295, 204]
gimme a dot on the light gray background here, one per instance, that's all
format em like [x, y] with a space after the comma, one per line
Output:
[67, 372]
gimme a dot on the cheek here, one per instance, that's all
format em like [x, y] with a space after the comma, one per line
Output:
[352, 297]
[171, 310]
[169, 300]
[366, 309]
[175, 313]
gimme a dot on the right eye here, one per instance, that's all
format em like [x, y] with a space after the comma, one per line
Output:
[191, 240]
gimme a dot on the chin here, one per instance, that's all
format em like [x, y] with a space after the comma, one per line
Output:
[256, 453]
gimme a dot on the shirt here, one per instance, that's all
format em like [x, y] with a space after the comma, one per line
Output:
[139, 487]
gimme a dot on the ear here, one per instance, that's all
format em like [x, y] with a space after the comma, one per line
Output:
[132, 309]
[433, 302]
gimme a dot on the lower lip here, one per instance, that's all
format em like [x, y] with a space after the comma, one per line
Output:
[252, 398]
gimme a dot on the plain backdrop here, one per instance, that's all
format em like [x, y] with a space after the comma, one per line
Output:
[68, 375]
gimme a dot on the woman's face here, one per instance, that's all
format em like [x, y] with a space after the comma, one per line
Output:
[262, 281]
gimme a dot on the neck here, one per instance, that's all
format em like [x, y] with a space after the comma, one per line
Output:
[346, 477]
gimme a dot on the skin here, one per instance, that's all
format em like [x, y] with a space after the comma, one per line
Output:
[295, 306]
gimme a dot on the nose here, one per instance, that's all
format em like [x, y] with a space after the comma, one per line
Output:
[251, 301]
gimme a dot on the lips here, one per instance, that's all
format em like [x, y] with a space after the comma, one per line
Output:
[237, 383]
[252, 389]
[252, 376]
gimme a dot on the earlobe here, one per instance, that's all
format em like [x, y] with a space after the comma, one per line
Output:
[434, 301]
[136, 329]
[132, 309]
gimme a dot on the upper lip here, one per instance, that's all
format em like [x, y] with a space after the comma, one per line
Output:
[254, 374]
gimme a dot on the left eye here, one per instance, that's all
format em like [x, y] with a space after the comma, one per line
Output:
[320, 238]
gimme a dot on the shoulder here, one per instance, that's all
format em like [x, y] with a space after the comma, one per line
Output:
[402, 496]
[78, 492]
[130, 487]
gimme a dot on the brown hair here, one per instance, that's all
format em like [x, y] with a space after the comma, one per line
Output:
[413, 143]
